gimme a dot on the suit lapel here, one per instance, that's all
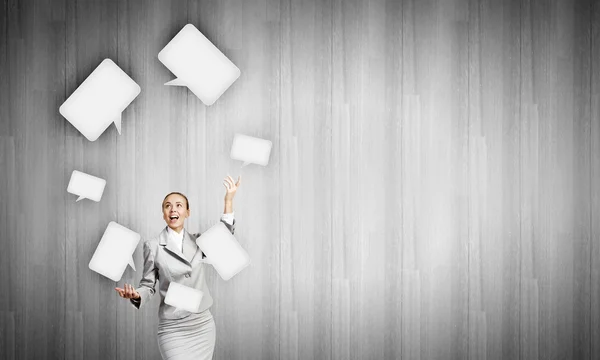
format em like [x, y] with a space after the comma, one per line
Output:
[189, 247]
[167, 242]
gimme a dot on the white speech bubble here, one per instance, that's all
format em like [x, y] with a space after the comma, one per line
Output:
[223, 251]
[251, 150]
[86, 186]
[198, 64]
[114, 252]
[183, 297]
[100, 100]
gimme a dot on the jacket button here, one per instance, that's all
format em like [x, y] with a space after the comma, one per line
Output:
[187, 275]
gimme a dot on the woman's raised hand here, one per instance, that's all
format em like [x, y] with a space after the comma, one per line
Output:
[231, 186]
[128, 292]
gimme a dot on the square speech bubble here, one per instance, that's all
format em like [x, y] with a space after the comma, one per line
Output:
[183, 297]
[86, 186]
[251, 150]
[114, 251]
[198, 64]
[100, 100]
[223, 251]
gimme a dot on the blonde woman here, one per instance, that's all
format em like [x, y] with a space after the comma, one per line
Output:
[173, 256]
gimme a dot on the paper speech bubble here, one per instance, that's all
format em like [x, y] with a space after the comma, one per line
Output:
[114, 252]
[86, 186]
[223, 251]
[183, 297]
[251, 150]
[100, 100]
[198, 64]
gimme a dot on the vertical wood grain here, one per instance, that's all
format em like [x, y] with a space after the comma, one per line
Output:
[441, 242]
[35, 40]
[577, 62]
[594, 175]
[528, 194]
[555, 73]
[494, 120]
[359, 114]
[306, 150]
[392, 274]
[4, 72]
[410, 193]
[7, 199]
[17, 34]
[91, 35]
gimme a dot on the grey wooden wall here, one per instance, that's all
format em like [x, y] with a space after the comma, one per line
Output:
[433, 190]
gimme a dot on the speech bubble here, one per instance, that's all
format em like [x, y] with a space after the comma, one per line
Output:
[86, 186]
[223, 251]
[251, 150]
[100, 100]
[114, 252]
[198, 64]
[183, 297]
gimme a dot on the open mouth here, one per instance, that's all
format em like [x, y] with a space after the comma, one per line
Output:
[173, 218]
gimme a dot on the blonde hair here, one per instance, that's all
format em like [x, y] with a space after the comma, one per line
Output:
[187, 203]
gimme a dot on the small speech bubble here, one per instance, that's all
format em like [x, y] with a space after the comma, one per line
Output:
[198, 64]
[100, 100]
[114, 252]
[183, 297]
[86, 186]
[223, 251]
[251, 150]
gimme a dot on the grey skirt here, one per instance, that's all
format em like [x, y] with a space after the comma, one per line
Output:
[192, 337]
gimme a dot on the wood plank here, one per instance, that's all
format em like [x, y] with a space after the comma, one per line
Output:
[392, 53]
[305, 158]
[341, 319]
[36, 247]
[7, 219]
[359, 118]
[494, 146]
[595, 186]
[529, 194]
[440, 80]
[411, 314]
[4, 72]
[554, 85]
[91, 36]
[18, 250]
[577, 64]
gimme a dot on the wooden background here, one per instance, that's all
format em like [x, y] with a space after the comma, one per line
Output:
[432, 193]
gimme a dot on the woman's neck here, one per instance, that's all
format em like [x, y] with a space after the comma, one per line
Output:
[177, 229]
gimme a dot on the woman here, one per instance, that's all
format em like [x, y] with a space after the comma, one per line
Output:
[173, 256]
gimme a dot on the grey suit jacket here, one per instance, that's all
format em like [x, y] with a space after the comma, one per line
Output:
[165, 263]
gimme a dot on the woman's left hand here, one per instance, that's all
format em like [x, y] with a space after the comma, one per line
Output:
[231, 186]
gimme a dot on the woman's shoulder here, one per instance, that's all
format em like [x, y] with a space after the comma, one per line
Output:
[152, 242]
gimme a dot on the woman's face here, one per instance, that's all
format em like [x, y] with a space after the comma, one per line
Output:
[175, 211]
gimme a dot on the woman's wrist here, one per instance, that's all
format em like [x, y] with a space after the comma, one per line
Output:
[228, 206]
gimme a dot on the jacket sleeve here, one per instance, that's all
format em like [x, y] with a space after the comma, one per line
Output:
[231, 226]
[149, 278]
